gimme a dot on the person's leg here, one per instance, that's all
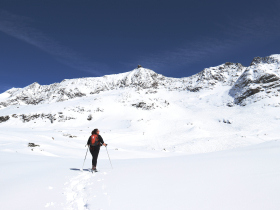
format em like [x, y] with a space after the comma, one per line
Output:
[92, 152]
[94, 159]
[95, 156]
[97, 148]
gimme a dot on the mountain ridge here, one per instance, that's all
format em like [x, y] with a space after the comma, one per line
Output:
[216, 109]
[227, 74]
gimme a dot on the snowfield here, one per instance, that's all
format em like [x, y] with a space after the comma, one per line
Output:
[209, 141]
[245, 178]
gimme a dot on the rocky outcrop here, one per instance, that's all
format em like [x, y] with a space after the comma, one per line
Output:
[260, 80]
[25, 118]
[144, 106]
[4, 118]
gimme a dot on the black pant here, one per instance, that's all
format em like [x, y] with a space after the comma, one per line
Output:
[94, 150]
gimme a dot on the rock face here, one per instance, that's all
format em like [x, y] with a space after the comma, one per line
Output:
[260, 80]
[248, 84]
[31, 117]
[4, 118]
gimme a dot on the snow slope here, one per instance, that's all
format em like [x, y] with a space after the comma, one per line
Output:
[209, 140]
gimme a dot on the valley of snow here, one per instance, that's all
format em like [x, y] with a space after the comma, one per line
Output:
[209, 141]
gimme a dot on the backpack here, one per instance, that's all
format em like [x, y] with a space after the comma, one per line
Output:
[94, 140]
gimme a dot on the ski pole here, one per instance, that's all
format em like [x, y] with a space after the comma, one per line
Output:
[84, 161]
[109, 157]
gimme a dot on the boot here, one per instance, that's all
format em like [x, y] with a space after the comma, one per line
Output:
[94, 169]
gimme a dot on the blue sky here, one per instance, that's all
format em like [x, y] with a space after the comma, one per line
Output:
[47, 41]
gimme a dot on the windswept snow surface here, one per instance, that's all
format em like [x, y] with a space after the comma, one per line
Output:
[209, 141]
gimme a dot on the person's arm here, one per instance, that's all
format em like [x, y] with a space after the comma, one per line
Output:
[88, 142]
[101, 141]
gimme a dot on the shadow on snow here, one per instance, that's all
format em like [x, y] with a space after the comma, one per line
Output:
[77, 169]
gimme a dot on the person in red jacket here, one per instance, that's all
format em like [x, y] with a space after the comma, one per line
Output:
[94, 142]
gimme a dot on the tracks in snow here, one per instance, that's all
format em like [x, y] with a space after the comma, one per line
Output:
[87, 191]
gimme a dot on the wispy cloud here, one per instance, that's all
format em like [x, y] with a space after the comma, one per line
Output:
[20, 28]
[239, 32]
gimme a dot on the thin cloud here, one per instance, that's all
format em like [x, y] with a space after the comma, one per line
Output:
[253, 28]
[19, 27]
[185, 55]
[237, 33]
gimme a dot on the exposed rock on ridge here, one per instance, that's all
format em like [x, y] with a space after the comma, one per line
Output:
[261, 79]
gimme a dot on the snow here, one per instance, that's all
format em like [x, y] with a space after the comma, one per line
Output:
[245, 178]
[4, 96]
[183, 143]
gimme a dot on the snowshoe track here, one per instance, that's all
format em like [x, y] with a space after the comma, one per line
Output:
[87, 191]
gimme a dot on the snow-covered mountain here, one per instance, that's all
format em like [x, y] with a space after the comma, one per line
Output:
[249, 84]
[138, 79]
[192, 110]
[152, 124]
